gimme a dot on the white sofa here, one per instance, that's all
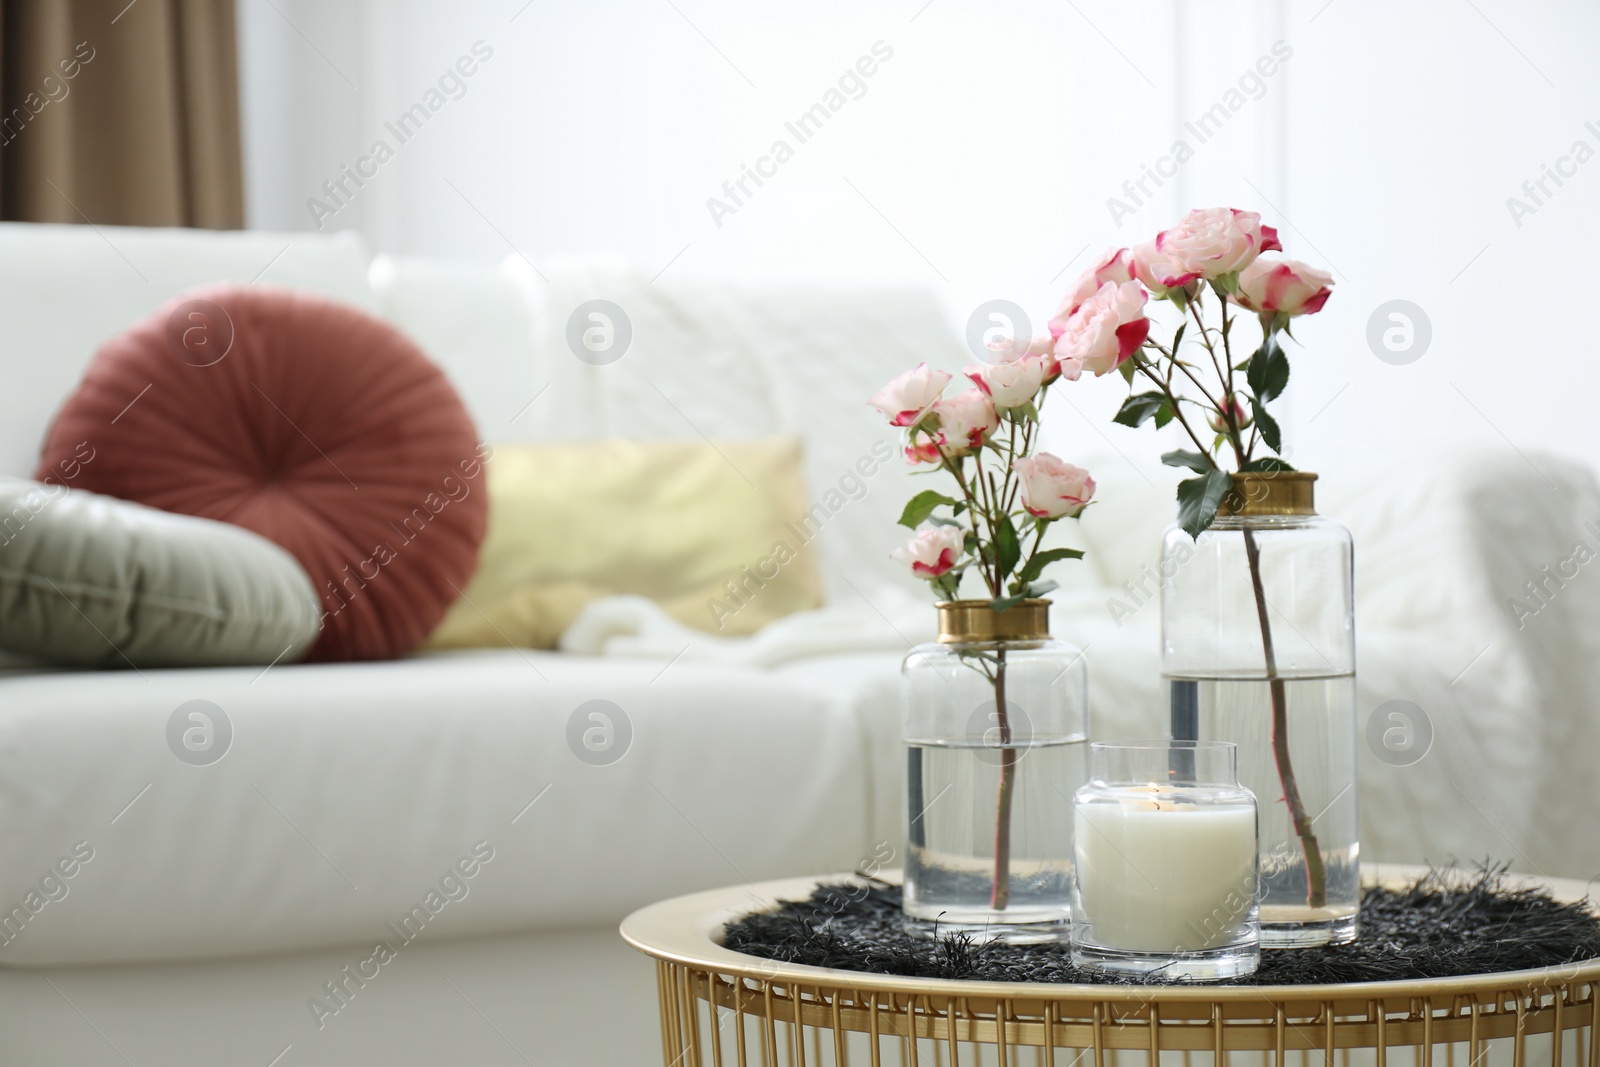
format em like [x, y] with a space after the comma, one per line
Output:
[221, 903]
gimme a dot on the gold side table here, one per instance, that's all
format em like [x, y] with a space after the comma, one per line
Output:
[722, 1007]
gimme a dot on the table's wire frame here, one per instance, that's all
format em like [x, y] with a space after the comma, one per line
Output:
[715, 1018]
[725, 1009]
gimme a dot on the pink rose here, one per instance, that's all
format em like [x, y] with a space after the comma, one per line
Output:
[1051, 487]
[1116, 265]
[1104, 331]
[933, 551]
[906, 399]
[1049, 368]
[1012, 349]
[1285, 286]
[965, 421]
[1213, 241]
[921, 448]
[1158, 272]
[1009, 385]
[1038, 351]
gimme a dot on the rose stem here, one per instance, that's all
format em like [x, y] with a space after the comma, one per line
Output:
[1316, 875]
[1001, 894]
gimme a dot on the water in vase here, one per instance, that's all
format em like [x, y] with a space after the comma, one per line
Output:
[1320, 721]
[952, 804]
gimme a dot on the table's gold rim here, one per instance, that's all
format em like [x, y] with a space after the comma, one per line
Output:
[682, 931]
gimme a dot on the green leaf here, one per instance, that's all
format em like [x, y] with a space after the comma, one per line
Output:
[1193, 460]
[1003, 604]
[1199, 498]
[1179, 298]
[1277, 373]
[1127, 370]
[1140, 407]
[1164, 416]
[1041, 560]
[1267, 425]
[947, 585]
[1038, 589]
[1007, 545]
[1177, 338]
[1265, 464]
[1268, 372]
[938, 520]
[1255, 368]
[919, 507]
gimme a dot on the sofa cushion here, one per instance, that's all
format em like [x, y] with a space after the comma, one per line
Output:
[348, 790]
[307, 421]
[730, 360]
[92, 581]
[673, 521]
[65, 290]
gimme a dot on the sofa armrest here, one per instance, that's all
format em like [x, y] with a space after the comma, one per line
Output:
[1478, 600]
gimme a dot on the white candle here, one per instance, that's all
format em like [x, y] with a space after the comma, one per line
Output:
[1159, 873]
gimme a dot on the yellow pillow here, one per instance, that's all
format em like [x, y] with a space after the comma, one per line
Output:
[712, 533]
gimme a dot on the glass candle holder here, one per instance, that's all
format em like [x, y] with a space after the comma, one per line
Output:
[1164, 878]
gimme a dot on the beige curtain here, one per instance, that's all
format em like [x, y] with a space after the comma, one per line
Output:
[120, 113]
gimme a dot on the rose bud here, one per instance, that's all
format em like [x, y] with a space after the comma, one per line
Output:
[1286, 287]
[1240, 416]
[921, 448]
[1053, 488]
[965, 421]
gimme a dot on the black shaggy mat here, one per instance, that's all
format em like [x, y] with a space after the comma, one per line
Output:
[1448, 924]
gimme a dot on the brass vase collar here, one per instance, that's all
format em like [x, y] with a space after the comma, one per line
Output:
[976, 620]
[1270, 493]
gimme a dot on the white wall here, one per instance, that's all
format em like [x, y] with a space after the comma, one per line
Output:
[981, 158]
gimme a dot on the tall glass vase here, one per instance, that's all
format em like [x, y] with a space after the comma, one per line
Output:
[1258, 648]
[995, 722]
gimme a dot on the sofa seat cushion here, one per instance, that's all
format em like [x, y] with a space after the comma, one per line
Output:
[309, 422]
[345, 793]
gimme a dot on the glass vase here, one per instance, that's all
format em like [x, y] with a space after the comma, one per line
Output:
[995, 722]
[1165, 875]
[1258, 648]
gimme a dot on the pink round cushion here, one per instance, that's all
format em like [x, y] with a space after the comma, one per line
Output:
[310, 423]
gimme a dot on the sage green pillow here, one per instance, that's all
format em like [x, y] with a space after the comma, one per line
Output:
[92, 581]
